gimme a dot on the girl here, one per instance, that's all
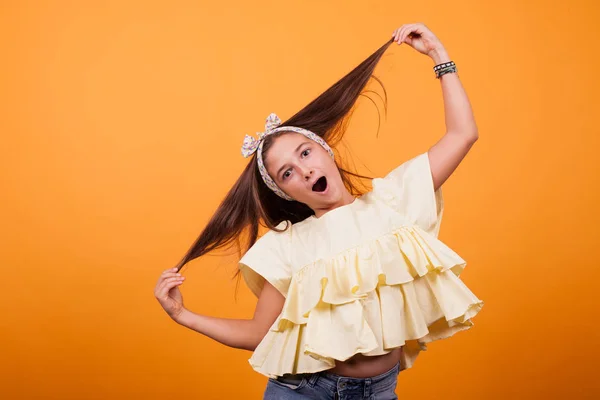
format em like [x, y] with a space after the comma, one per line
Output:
[350, 286]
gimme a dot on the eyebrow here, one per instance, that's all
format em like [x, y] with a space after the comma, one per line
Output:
[295, 151]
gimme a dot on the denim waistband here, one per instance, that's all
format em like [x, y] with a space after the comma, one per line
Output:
[360, 386]
[395, 368]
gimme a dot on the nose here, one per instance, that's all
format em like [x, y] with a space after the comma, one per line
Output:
[307, 173]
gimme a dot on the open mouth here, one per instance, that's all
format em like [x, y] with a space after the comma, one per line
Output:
[320, 185]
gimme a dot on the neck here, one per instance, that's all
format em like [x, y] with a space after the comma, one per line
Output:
[347, 198]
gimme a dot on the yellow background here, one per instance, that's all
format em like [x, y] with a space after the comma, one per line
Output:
[121, 129]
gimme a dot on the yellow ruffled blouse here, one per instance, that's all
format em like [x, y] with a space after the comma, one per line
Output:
[365, 277]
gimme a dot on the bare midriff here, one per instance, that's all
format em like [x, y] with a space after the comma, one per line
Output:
[361, 366]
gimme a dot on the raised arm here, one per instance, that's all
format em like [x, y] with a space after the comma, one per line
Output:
[461, 130]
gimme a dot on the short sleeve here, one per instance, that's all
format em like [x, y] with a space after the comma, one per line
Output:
[268, 259]
[408, 189]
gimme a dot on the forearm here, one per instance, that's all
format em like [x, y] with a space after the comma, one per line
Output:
[458, 113]
[238, 333]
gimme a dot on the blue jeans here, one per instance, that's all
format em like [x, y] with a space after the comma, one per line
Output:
[327, 386]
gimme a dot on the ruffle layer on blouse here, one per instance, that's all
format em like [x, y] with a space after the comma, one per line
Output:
[407, 275]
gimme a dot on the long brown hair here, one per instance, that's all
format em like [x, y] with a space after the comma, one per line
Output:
[249, 200]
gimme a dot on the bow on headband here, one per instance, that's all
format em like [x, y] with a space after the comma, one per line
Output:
[250, 144]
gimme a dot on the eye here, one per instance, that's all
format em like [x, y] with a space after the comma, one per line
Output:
[284, 176]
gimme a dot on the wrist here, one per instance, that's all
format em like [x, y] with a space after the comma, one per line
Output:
[183, 317]
[439, 55]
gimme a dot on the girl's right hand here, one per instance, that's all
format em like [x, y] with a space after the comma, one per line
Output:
[167, 292]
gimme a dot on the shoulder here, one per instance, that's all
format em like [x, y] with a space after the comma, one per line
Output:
[274, 240]
[416, 167]
[409, 190]
[268, 259]
[282, 232]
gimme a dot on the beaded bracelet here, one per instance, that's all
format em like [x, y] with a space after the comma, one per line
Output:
[444, 68]
[445, 71]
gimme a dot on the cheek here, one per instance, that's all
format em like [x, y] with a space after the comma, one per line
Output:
[334, 177]
[329, 162]
[330, 166]
[297, 187]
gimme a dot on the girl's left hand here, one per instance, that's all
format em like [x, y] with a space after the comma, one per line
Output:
[419, 37]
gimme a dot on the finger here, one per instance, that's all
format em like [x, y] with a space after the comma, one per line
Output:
[170, 274]
[401, 33]
[167, 284]
[167, 275]
[405, 31]
[418, 29]
[174, 269]
[172, 279]
[396, 33]
[163, 294]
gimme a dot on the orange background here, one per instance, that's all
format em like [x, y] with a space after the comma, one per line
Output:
[121, 131]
